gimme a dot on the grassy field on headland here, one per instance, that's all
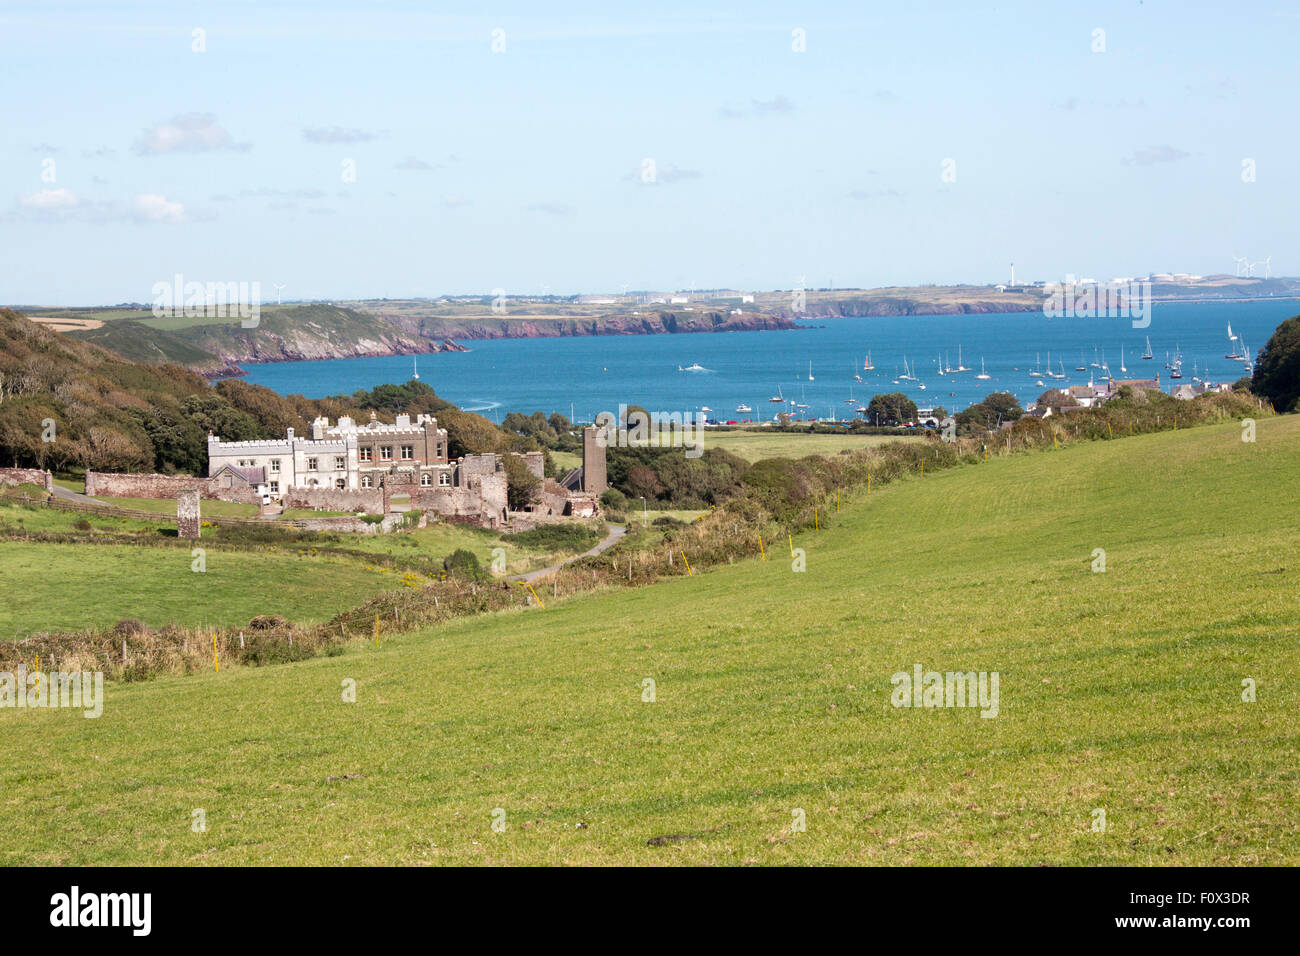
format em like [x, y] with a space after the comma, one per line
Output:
[1119, 691]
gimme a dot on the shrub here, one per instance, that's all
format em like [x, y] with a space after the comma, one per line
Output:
[465, 563]
[559, 537]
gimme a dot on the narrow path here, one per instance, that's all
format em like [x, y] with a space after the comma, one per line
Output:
[66, 495]
[616, 531]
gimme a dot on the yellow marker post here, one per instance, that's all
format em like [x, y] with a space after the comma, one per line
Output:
[791, 539]
[38, 674]
[535, 597]
[216, 664]
[1175, 421]
[688, 565]
[1109, 432]
[817, 523]
[761, 549]
[922, 467]
[868, 482]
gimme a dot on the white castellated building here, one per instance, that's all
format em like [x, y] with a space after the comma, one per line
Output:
[345, 456]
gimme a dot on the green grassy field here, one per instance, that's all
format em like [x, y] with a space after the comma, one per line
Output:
[753, 446]
[1119, 691]
[70, 586]
[208, 508]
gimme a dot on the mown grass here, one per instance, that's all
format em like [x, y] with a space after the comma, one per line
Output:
[1119, 691]
[51, 587]
[208, 508]
[442, 539]
[755, 445]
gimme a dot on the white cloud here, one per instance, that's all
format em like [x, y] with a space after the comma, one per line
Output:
[1156, 154]
[187, 133]
[329, 135]
[551, 208]
[49, 199]
[150, 207]
[414, 164]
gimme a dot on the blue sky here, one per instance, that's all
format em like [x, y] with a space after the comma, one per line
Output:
[523, 169]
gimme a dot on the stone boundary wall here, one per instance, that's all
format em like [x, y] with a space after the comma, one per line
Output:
[373, 501]
[104, 485]
[25, 476]
[390, 523]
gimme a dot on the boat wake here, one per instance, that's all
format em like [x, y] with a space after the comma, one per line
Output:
[486, 407]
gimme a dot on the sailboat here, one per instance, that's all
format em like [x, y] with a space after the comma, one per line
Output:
[850, 400]
[1037, 361]
[960, 366]
[810, 375]
[983, 375]
[941, 368]
[415, 367]
[1176, 365]
[1147, 354]
[1081, 367]
[1095, 363]
[1121, 360]
[1245, 357]
[742, 407]
[778, 397]
[866, 364]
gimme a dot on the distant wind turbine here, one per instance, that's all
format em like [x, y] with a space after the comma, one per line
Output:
[278, 287]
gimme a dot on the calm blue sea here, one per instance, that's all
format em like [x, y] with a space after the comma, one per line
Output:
[590, 375]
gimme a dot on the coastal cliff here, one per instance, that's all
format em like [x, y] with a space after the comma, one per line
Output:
[648, 323]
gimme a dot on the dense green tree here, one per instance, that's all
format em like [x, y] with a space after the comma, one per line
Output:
[522, 486]
[893, 408]
[1277, 369]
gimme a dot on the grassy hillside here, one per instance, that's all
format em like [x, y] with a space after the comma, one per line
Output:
[1119, 691]
[140, 343]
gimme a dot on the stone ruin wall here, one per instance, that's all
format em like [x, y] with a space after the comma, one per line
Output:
[27, 476]
[373, 501]
[105, 485]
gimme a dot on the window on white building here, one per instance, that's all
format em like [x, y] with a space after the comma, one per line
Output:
[340, 463]
[426, 480]
[275, 465]
[385, 452]
[311, 464]
[365, 481]
[338, 483]
[364, 453]
[275, 487]
[444, 478]
[408, 452]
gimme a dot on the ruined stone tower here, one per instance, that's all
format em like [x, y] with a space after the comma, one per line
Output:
[593, 462]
